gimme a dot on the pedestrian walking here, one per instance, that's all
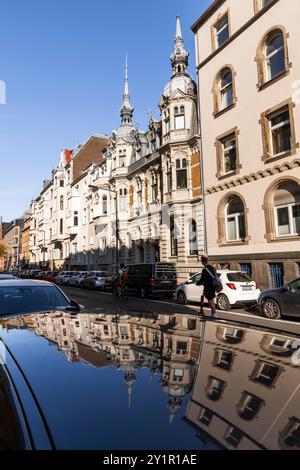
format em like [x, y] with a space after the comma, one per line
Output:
[209, 280]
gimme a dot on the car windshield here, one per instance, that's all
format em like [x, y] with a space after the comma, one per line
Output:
[23, 299]
[238, 277]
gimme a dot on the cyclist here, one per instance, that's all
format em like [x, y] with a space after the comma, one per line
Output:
[121, 279]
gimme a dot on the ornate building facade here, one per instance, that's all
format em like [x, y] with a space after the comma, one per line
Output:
[135, 200]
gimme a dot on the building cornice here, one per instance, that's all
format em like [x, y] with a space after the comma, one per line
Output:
[232, 38]
[286, 166]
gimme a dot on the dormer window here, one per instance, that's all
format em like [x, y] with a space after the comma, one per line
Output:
[179, 117]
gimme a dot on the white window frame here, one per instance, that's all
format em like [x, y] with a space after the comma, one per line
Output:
[236, 221]
[274, 128]
[269, 56]
[224, 90]
[228, 149]
[292, 224]
[219, 31]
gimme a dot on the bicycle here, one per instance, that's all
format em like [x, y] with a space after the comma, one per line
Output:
[120, 292]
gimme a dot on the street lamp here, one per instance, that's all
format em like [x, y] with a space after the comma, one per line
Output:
[114, 191]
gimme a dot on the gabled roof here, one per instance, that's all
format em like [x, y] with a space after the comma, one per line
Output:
[90, 152]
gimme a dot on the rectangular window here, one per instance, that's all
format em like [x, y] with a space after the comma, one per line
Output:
[179, 122]
[181, 347]
[205, 416]
[222, 31]
[61, 226]
[223, 359]
[233, 436]
[229, 159]
[280, 130]
[178, 375]
[265, 373]
[167, 125]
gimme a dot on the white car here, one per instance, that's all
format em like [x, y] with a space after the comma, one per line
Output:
[238, 289]
[75, 281]
[63, 276]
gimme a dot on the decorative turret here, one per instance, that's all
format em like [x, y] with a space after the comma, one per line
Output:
[126, 109]
[179, 57]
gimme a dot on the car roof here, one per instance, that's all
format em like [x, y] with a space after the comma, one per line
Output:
[24, 283]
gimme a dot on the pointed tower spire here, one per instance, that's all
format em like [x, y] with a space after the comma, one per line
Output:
[179, 57]
[178, 28]
[126, 109]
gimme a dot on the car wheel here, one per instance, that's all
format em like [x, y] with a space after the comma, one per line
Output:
[143, 293]
[181, 298]
[223, 302]
[271, 309]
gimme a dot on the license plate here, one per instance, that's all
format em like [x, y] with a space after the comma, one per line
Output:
[166, 282]
[247, 288]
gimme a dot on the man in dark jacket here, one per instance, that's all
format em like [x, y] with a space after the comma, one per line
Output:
[207, 281]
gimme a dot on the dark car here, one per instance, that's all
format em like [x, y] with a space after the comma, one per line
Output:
[284, 301]
[20, 297]
[152, 279]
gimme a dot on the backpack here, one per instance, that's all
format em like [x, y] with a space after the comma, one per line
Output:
[216, 281]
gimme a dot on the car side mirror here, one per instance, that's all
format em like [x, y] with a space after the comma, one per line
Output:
[286, 288]
[74, 306]
[189, 281]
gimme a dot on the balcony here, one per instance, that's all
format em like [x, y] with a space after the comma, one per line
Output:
[73, 230]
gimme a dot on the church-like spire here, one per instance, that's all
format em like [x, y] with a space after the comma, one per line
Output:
[126, 109]
[179, 57]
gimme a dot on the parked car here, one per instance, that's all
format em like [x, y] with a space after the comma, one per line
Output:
[152, 279]
[33, 273]
[238, 289]
[6, 277]
[50, 276]
[75, 281]
[63, 276]
[275, 303]
[27, 296]
[95, 280]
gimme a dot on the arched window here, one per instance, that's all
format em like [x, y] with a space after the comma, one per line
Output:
[235, 220]
[181, 173]
[173, 237]
[249, 406]
[224, 90]
[104, 205]
[287, 209]
[272, 55]
[289, 438]
[215, 388]
[61, 203]
[76, 219]
[193, 242]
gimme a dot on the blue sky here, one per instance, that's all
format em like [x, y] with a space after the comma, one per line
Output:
[63, 65]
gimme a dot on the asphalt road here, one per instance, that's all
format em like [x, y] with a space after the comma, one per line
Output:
[104, 300]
